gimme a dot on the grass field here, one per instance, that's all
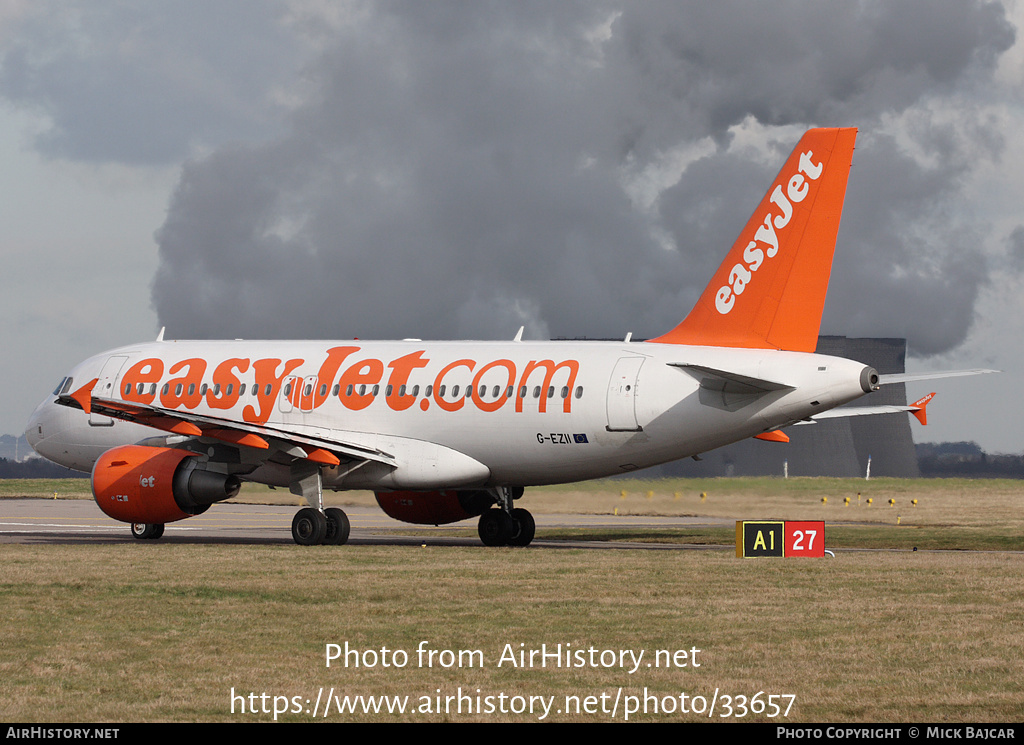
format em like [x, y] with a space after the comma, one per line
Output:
[164, 632]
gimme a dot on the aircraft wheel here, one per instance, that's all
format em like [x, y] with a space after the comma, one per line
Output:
[147, 531]
[309, 527]
[338, 527]
[525, 527]
[495, 528]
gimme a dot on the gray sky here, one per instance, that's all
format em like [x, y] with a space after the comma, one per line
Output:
[456, 170]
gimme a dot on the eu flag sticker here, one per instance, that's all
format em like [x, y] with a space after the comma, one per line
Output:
[579, 439]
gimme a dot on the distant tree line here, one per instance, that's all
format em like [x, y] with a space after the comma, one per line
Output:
[36, 468]
[966, 460]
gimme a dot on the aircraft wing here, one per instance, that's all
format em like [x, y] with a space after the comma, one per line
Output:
[326, 451]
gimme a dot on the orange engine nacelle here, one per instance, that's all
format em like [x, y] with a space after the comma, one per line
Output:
[139, 484]
[434, 507]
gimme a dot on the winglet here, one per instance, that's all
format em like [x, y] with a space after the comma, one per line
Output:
[84, 395]
[770, 290]
[920, 408]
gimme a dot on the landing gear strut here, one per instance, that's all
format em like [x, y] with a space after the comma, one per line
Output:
[505, 525]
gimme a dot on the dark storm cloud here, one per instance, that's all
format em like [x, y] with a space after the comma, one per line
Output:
[461, 170]
[145, 82]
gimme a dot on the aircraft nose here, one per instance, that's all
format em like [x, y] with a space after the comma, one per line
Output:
[34, 428]
[45, 424]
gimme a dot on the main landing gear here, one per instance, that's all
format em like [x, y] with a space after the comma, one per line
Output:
[505, 525]
[312, 527]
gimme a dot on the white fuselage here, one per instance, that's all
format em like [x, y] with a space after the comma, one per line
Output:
[535, 413]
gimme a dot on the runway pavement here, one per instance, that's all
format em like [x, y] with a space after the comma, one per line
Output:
[56, 521]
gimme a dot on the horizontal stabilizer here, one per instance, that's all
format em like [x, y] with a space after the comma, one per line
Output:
[917, 409]
[913, 377]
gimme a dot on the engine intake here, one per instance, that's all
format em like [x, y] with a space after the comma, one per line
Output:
[140, 484]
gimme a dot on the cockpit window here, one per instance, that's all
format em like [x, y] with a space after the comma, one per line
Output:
[63, 387]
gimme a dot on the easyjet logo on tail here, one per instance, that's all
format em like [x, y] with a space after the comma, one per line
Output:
[770, 233]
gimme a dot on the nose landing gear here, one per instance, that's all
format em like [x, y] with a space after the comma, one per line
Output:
[147, 531]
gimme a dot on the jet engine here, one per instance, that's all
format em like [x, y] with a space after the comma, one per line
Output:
[139, 484]
[434, 507]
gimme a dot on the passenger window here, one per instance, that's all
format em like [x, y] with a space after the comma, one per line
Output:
[565, 391]
[455, 391]
[579, 391]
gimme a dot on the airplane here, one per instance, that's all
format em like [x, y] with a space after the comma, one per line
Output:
[446, 431]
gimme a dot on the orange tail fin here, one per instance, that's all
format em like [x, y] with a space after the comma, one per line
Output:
[770, 291]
